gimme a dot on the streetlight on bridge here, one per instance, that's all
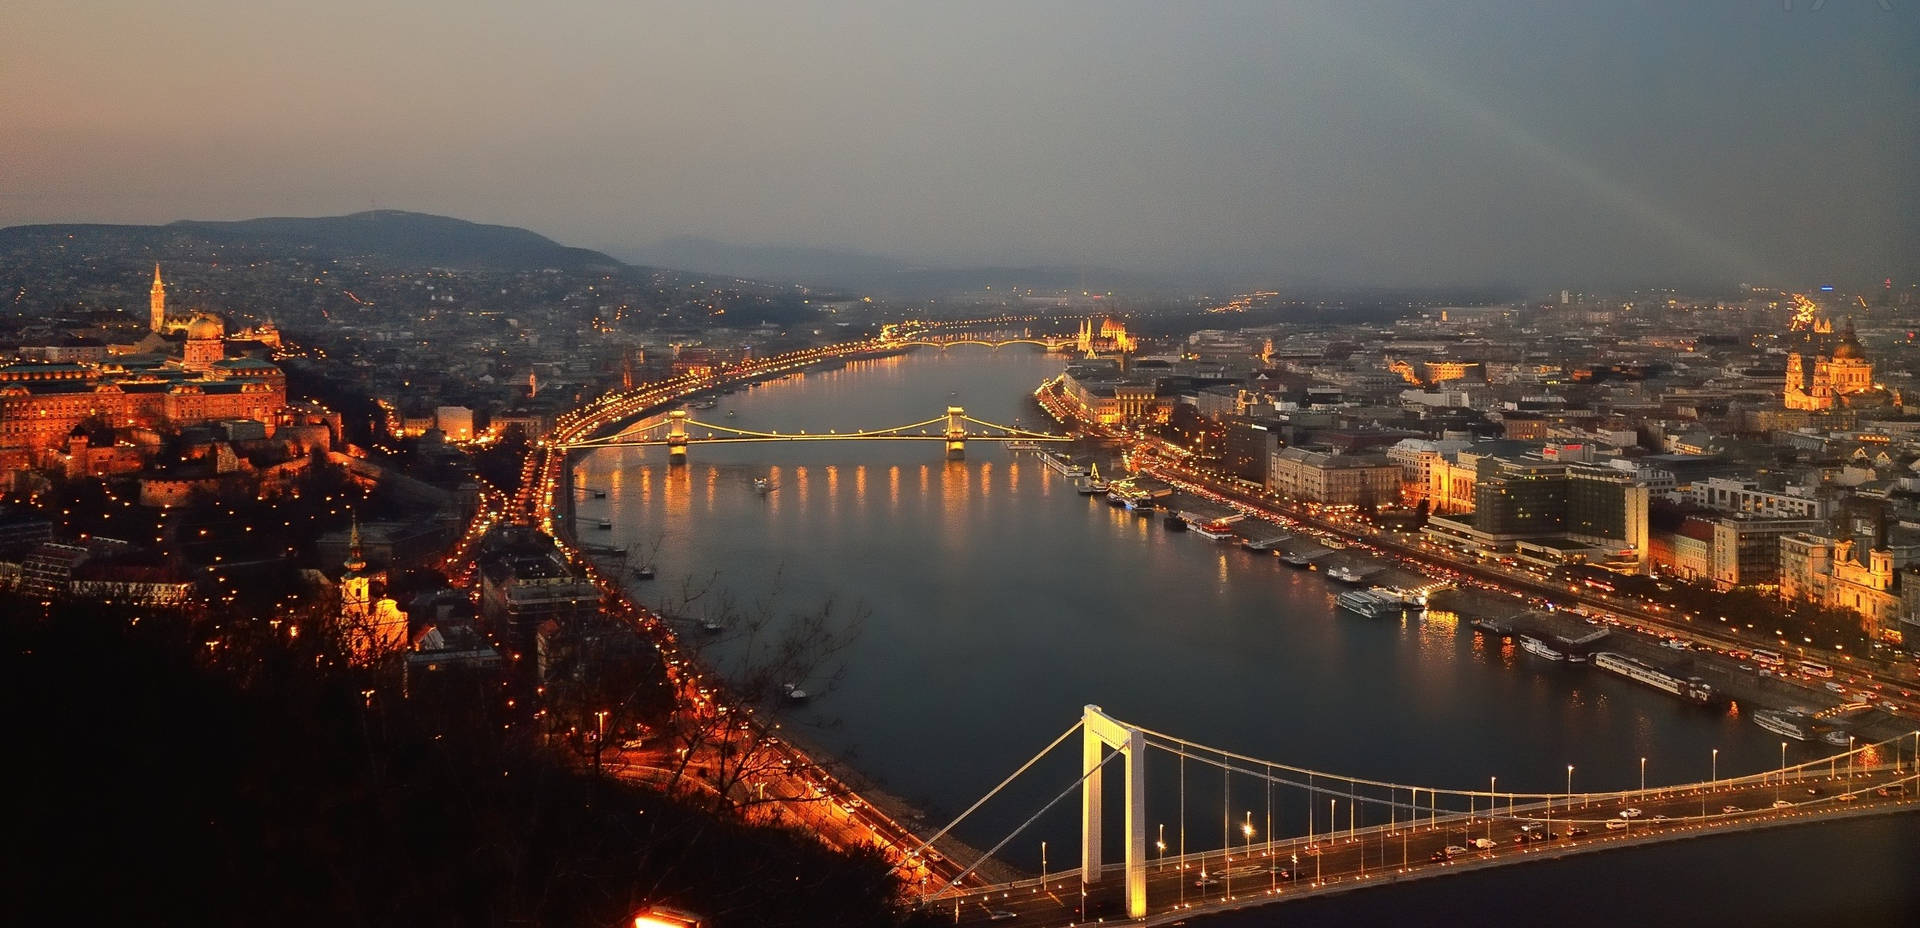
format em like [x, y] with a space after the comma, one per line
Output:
[1569, 786]
[1783, 772]
[1492, 803]
[1247, 830]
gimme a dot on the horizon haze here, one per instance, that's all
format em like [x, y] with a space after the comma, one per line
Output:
[1472, 143]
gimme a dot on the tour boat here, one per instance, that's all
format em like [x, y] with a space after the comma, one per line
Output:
[762, 485]
[604, 524]
[1369, 603]
[1692, 688]
[1785, 724]
[1215, 530]
[796, 694]
[1538, 648]
[643, 572]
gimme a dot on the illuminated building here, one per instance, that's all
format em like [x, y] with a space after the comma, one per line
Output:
[1817, 380]
[1111, 337]
[1334, 479]
[373, 627]
[41, 404]
[1832, 572]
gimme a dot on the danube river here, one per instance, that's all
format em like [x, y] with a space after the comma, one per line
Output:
[997, 602]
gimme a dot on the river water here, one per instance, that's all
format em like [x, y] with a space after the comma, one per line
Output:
[997, 603]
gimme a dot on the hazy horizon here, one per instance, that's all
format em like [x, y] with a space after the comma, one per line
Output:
[1369, 143]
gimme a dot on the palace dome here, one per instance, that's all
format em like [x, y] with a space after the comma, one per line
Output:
[206, 326]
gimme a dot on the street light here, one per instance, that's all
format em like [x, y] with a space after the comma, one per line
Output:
[1643, 775]
[1161, 843]
[1569, 786]
[1247, 830]
[1043, 863]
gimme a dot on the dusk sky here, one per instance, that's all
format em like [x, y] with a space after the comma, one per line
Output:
[1556, 144]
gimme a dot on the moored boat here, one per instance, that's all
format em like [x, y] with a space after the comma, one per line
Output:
[1538, 648]
[1215, 530]
[1369, 603]
[1692, 688]
[1786, 724]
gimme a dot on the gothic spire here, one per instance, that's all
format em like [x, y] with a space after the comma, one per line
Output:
[355, 563]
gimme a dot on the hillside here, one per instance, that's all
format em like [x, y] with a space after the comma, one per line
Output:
[386, 236]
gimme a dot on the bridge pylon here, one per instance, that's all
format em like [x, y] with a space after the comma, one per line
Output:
[677, 437]
[956, 433]
[1102, 731]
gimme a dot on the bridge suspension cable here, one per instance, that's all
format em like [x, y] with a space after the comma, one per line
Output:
[1096, 768]
[995, 791]
[638, 434]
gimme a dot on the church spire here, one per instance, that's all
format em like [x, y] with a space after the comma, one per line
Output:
[355, 563]
[157, 301]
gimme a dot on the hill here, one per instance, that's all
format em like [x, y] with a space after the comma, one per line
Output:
[388, 236]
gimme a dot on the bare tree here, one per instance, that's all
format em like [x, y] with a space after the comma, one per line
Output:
[734, 667]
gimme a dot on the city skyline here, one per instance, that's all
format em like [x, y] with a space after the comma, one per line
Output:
[1471, 143]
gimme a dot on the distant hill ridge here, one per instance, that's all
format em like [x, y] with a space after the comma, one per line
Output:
[391, 235]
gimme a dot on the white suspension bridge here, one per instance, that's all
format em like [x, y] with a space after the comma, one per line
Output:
[1288, 832]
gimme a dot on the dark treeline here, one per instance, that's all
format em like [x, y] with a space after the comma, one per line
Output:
[228, 773]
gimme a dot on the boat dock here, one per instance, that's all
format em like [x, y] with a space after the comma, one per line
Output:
[1259, 534]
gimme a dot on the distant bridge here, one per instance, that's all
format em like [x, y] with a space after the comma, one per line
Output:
[1050, 344]
[1429, 831]
[678, 431]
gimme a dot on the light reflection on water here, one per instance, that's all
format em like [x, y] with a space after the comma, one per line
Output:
[1001, 602]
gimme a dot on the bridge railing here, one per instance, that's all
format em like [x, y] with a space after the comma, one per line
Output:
[1540, 808]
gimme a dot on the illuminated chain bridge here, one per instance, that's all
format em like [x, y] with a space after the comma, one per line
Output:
[677, 431]
[1271, 832]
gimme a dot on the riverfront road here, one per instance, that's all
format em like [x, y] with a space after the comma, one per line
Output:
[1888, 680]
[1198, 884]
[805, 794]
[1648, 615]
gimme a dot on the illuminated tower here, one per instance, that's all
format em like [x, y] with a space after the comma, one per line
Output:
[356, 586]
[157, 299]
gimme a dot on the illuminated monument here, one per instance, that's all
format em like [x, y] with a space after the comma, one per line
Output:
[1819, 379]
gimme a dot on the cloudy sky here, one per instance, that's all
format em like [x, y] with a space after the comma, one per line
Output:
[1577, 143]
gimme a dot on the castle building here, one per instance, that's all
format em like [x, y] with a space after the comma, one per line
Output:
[146, 385]
[1821, 380]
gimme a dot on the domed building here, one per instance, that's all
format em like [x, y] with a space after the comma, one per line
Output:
[178, 374]
[206, 343]
[1819, 380]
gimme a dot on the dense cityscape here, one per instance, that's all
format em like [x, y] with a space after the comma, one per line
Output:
[384, 567]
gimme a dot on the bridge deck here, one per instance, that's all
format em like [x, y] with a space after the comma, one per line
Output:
[1201, 883]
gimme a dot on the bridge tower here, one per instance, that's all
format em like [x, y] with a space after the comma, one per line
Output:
[956, 433]
[677, 437]
[1102, 731]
